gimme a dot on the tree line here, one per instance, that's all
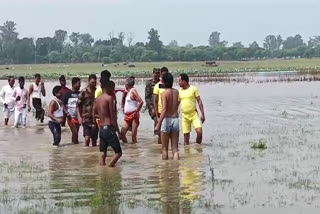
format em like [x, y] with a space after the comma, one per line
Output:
[82, 48]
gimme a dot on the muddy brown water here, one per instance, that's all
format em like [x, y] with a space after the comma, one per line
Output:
[224, 175]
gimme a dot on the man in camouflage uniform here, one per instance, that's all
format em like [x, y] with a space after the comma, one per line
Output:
[149, 92]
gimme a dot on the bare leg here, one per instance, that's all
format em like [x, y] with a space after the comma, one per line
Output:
[115, 159]
[135, 125]
[6, 120]
[87, 139]
[103, 160]
[186, 139]
[124, 131]
[199, 135]
[174, 145]
[159, 135]
[165, 142]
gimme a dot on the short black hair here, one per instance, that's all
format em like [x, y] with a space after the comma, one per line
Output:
[164, 69]
[75, 80]
[168, 80]
[37, 76]
[184, 77]
[56, 89]
[105, 74]
[107, 84]
[21, 79]
[10, 77]
[62, 78]
[92, 76]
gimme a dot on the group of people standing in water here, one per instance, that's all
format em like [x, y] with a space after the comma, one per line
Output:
[95, 109]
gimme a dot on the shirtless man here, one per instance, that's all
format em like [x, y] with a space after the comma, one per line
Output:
[104, 109]
[169, 118]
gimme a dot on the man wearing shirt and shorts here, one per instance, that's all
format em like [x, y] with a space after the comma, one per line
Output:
[6, 98]
[188, 96]
[70, 108]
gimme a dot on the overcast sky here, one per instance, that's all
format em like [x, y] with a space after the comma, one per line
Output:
[187, 21]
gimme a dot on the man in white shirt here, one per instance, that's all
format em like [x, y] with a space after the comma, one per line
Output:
[6, 99]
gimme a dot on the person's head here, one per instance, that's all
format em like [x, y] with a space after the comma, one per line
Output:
[163, 71]
[62, 80]
[92, 81]
[21, 82]
[105, 74]
[56, 91]
[11, 81]
[37, 78]
[129, 83]
[167, 80]
[156, 74]
[183, 80]
[76, 83]
[107, 86]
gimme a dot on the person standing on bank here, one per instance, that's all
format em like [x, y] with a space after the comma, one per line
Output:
[6, 98]
[55, 114]
[36, 91]
[188, 96]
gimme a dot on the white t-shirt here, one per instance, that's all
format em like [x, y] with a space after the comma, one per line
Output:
[6, 96]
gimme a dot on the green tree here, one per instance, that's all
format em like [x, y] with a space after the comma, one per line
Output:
[86, 39]
[237, 45]
[59, 39]
[214, 40]
[254, 45]
[272, 42]
[54, 57]
[75, 38]
[154, 43]
[173, 44]
[8, 36]
[293, 42]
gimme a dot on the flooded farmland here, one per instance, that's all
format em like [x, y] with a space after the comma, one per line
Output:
[224, 175]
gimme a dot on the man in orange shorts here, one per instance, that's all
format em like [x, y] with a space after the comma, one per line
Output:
[132, 106]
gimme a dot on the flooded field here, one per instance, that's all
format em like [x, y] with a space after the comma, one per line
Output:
[224, 175]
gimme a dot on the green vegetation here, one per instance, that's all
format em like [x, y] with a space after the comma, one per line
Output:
[82, 48]
[261, 145]
[144, 69]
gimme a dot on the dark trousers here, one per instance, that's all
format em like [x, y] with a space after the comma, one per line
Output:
[55, 129]
[37, 104]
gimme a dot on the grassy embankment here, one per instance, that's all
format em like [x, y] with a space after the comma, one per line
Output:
[144, 69]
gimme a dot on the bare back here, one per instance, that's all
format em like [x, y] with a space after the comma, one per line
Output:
[170, 102]
[104, 109]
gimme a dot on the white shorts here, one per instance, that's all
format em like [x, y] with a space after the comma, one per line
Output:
[7, 113]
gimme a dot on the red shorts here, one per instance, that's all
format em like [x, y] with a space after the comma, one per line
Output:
[133, 116]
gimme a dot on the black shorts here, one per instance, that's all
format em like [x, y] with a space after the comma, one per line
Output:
[90, 131]
[108, 137]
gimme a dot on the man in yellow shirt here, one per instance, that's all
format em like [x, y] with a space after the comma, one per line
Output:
[158, 90]
[188, 96]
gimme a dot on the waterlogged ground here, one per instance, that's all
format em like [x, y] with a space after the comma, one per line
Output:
[224, 175]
